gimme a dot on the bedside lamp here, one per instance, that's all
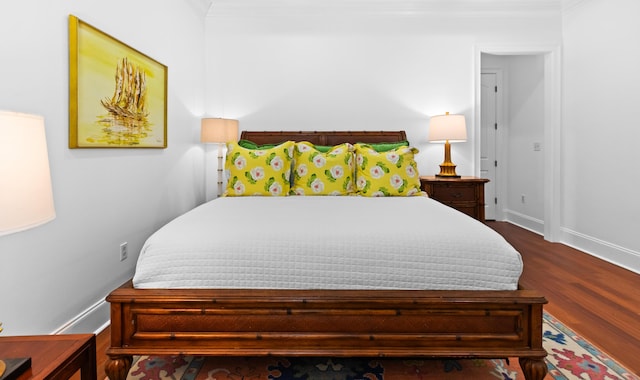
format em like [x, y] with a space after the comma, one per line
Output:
[221, 131]
[447, 129]
[26, 198]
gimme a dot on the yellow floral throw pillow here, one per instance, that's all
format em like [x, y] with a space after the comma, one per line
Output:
[384, 174]
[323, 173]
[258, 171]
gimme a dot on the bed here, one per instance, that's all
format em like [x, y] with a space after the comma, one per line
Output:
[405, 308]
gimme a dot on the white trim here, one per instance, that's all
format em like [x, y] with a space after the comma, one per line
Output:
[609, 252]
[524, 221]
[93, 320]
[502, 134]
[552, 125]
[606, 251]
[552, 144]
[570, 5]
[406, 7]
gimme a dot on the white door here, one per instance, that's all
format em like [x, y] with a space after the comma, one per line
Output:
[488, 161]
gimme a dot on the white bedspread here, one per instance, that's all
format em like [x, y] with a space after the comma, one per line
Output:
[327, 243]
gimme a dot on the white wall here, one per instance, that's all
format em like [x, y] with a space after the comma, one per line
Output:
[523, 125]
[53, 273]
[345, 67]
[295, 68]
[601, 110]
[342, 67]
[526, 127]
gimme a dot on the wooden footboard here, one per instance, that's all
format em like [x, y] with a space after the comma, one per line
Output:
[399, 323]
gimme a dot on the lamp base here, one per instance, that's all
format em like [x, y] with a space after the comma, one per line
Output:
[447, 170]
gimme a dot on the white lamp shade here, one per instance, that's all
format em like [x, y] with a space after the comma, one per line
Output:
[26, 198]
[217, 130]
[447, 127]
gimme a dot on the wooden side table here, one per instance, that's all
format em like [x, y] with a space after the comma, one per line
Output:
[465, 194]
[53, 356]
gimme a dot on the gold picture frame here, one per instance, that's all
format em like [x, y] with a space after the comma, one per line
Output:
[117, 95]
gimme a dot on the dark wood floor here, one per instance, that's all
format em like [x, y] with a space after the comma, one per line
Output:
[598, 300]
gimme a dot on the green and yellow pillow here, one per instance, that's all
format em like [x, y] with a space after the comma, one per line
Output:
[259, 171]
[393, 172]
[316, 172]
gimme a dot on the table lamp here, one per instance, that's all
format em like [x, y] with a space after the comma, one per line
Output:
[447, 129]
[221, 131]
[26, 197]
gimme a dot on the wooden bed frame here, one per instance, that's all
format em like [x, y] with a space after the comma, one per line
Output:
[358, 323]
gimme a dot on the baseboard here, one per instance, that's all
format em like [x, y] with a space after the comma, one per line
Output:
[524, 221]
[601, 249]
[91, 321]
[615, 254]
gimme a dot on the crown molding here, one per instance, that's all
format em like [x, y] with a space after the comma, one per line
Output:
[569, 5]
[382, 7]
[200, 6]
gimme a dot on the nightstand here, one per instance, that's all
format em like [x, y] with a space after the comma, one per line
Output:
[465, 194]
[53, 356]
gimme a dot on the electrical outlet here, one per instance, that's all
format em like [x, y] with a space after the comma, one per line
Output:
[123, 251]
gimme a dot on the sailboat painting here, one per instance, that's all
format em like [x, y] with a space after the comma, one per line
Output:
[117, 95]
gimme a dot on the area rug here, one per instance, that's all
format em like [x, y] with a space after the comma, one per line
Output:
[570, 357]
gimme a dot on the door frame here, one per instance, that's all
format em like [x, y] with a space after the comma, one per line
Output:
[501, 140]
[552, 124]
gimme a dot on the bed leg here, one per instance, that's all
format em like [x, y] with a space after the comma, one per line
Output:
[117, 367]
[533, 368]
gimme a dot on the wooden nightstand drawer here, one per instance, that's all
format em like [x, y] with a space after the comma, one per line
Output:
[452, 193]
[465, 194]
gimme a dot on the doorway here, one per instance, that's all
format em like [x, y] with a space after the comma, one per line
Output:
[549, 124]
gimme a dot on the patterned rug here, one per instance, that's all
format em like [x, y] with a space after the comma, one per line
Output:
[570, 357]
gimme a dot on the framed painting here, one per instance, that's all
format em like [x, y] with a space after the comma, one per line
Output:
[117, 95]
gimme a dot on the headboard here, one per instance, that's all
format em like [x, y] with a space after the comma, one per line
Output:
[328, 138]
